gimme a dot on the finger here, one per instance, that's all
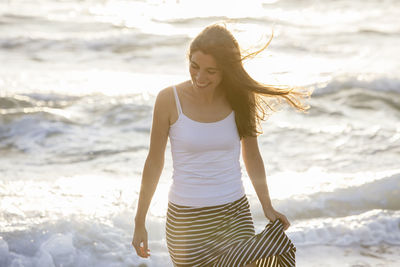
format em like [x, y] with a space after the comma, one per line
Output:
[285, 227]
[283, 221]
[143, 253]
[137, 248]
[272, 218]
[145, 247]
[286, 223]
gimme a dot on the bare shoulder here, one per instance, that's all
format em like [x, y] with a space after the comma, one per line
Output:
[164, 96]
[164, 104]
[165, 101]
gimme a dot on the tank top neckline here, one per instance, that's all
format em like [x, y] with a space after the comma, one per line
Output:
[210, 121]
[180, 113]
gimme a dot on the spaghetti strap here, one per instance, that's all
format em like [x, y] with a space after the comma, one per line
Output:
[178, 104]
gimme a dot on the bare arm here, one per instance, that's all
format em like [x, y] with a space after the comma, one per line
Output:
[256, 171]
[152, 169]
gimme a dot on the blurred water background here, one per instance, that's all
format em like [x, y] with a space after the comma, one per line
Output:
[78, 80]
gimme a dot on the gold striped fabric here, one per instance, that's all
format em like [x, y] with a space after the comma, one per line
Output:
[224, 236]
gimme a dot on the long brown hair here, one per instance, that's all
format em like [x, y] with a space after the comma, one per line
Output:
[252, 101]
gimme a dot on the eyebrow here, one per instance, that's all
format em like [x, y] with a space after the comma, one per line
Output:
[191, 61]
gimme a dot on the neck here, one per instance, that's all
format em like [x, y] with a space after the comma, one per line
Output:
[208, 96]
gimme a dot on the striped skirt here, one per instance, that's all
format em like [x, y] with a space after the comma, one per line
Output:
[224, 236]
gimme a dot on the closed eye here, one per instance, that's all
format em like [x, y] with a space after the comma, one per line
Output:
[194, 66]
[209, 70]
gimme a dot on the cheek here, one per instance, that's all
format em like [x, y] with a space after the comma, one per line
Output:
[218, 78]
[192, 72]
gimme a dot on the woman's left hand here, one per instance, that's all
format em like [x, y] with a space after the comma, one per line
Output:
[272, 215]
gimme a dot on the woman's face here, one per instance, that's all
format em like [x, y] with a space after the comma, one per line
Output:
[204, 71]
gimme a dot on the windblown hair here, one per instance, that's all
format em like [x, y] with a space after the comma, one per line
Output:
[252, 101]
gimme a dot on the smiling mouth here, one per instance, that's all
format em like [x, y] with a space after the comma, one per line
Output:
[202, 85]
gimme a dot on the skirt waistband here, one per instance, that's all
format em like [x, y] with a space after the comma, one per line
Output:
[191, 208]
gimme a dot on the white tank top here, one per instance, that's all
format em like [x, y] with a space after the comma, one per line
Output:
[205, 161]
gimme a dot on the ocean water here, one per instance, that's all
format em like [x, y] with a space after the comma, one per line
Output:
[78, 81]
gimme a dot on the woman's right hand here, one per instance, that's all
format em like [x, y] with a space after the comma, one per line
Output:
[139, 241]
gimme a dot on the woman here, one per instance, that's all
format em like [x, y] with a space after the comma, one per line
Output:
[209, 119]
